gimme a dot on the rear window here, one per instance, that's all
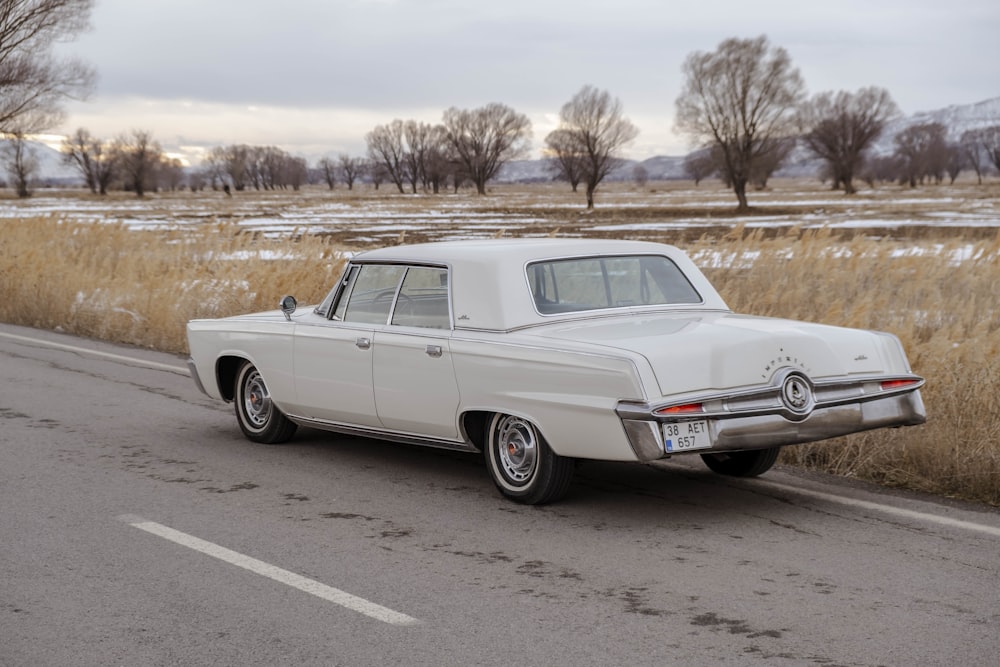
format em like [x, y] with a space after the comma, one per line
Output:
[595, 283]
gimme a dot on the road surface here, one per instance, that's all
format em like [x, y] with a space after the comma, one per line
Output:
[138, 527]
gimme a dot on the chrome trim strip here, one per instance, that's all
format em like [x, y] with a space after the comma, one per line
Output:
[383, 434]
[193, 370]
[766, 399]
[760, 431]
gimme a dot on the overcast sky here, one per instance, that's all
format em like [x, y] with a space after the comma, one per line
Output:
[313, 76]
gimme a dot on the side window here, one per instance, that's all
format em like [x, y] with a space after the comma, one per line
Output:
[372, 294]
[423, 299]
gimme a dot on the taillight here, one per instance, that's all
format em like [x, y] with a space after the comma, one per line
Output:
[686, 409]
[898, 384]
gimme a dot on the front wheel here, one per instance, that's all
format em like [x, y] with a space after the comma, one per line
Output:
[259, 418]
[742, 464]
[522, 465]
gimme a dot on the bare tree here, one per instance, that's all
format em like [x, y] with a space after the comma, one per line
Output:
[213, 166]
[565, 156]
[921, 150]
[76, 152]
[419, 143]
[701, 164]
[138, 154]
[484, 139]
[20, 160]
[956, 161]
[989, 139]
[376, 172]
[970, 143]
[739, 98]
[350, 168]
[328, 171]
[92, 157]
[385, 147]
[296, 172]
[169, 173]
[640, 175]
[33, 82]
[770, 158]
[233, 163]
[841, 127]
[439, 161]
[593, 128]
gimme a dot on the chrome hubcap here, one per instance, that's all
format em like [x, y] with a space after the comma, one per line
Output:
[517, 449]
[256, 400]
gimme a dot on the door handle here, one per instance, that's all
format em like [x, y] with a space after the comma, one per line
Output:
[363, 343]
[433, 351]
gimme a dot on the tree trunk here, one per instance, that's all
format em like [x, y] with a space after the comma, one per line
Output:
[590, 197]
[740, 188]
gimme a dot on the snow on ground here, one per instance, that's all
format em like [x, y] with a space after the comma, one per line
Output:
[385, 218]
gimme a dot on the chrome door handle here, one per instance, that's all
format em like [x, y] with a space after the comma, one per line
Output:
[433, 351]
[363, 343]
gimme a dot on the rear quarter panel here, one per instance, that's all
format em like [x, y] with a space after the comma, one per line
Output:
[569, 394]
[267, 345]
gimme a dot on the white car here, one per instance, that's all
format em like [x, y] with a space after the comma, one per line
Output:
[541, 351]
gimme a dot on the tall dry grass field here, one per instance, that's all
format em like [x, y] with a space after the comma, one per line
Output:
[141, 287]
[943, 306]
[939, 296]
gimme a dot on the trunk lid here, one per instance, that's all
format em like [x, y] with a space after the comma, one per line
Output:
[713, 351]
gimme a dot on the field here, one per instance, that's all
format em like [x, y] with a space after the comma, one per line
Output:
[920, 263]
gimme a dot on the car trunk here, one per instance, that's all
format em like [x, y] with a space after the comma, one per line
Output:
[712, 351]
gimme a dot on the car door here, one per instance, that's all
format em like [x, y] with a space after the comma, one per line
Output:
[414, 378]
[333, 356]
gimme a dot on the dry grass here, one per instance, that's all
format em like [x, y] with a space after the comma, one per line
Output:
[141, 287]
[116, 283]
[946, 314]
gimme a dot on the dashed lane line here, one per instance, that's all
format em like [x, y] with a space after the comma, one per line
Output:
[304, 584]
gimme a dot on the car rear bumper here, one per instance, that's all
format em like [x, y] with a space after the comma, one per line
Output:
[759, 431]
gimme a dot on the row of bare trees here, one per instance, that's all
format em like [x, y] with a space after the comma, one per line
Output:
[472, 145]
[133, 161]
[468, 145]
[259, 167]
[745, 104]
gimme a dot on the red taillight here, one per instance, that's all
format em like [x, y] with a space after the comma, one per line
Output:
[897, 384]
[686, 409]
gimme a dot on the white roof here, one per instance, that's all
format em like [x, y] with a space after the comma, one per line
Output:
[489, 284]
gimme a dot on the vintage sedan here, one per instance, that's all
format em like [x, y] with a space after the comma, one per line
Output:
[540, 352]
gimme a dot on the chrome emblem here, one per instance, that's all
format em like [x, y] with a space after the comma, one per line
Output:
[795, 393]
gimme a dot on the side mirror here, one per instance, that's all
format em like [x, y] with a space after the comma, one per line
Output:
[287, 305]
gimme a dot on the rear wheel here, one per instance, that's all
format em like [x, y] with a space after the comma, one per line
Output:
[742, 464]
[259, 418]
[522, 465]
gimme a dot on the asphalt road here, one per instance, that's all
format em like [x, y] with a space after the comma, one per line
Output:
[138, 527]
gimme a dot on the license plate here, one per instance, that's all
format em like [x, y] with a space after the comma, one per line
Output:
[684, 436]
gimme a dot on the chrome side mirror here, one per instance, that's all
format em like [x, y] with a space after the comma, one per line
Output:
[287, 305]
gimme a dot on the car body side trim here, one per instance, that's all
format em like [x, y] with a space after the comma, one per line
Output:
[383, 434]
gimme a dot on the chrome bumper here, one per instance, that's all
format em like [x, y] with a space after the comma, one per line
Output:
[734, 432]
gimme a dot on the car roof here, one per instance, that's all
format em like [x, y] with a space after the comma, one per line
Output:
[490, 289]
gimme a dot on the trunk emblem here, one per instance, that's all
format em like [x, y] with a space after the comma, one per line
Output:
[796, 394]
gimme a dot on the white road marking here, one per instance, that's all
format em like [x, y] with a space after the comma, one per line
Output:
[328, 593]
[887, 509]
[180, 370]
